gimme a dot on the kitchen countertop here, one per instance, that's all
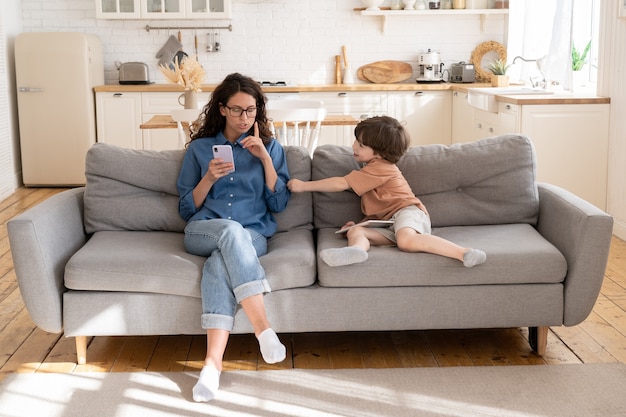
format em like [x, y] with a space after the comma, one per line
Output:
[556, 98]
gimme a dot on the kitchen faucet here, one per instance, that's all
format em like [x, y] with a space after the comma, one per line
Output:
[540, 62]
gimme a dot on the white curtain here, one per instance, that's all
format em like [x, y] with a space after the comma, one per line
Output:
[541, 31]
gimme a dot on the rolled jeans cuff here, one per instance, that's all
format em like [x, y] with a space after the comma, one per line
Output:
[217, 321]
[251, 288]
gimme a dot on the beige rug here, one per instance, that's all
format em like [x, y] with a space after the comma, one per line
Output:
[525, 391]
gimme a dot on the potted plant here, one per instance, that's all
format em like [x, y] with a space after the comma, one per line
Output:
[498, 68]
[579, 59]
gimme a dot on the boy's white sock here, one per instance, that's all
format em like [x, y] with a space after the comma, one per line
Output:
[207, 385]
[271, 349]
[474, 257]
[343, 256]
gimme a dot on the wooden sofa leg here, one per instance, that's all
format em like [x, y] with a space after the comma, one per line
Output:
[538, 339]
[81, 349]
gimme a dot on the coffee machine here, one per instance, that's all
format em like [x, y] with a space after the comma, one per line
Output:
[430, 67]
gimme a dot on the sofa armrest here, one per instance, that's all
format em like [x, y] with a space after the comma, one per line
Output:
[42, 240]
[582, 232]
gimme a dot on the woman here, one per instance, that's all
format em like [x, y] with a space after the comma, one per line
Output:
[229, 217]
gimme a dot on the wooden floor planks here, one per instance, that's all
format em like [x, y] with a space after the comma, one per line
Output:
[25, 348]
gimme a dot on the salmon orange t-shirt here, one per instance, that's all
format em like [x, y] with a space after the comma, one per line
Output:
[382, 188]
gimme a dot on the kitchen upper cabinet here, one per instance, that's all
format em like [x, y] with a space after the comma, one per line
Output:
[426, 115]
[462, 118]
[118, 9]
[118, 116]
[163, 9]
[208, 9]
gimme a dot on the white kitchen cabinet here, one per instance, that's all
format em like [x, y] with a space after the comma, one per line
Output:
[485, 124]
[570, 140]
[571, 143]
[118, 9]
[163, 9]
[462, 118]
[118, 119]
[359, 105]
[508, 118]
[208, 9]
[426, 115]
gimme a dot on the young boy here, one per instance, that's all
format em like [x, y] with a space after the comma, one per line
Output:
[385, 195]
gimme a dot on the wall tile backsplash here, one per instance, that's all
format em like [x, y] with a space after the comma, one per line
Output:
[275, 40]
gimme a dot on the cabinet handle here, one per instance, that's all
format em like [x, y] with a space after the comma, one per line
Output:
[455, 94]
[491, 130]
[419, 93]
[508, 107]
[342, 94]
[118, 95]
[479, 125]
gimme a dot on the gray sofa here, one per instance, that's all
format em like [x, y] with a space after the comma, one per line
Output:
[108, 259]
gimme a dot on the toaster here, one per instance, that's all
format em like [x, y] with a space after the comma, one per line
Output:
[134, 73]
[462, 72]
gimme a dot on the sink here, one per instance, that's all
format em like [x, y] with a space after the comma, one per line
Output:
[485, 98]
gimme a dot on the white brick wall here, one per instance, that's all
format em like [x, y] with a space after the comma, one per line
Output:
[289, 40]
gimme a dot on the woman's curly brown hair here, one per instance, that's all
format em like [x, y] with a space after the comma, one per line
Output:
[211, 122]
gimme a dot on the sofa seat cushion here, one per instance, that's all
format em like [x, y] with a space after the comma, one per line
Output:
[156, 262]
[516, 254]
[489, 181]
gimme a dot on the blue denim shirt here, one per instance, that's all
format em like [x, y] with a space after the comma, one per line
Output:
[242, 195]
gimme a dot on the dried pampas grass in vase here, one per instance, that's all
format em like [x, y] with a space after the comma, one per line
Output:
[189, 74]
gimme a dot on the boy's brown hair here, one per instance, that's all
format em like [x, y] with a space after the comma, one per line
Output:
[385, 135]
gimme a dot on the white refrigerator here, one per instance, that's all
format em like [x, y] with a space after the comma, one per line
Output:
[55, 74]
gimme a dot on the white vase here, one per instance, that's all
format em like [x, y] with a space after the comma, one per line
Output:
[190, 98]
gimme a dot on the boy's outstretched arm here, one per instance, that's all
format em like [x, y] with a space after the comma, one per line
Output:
[327, 185]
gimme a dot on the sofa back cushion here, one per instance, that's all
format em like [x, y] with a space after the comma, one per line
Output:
[131, 189]
[489, 181]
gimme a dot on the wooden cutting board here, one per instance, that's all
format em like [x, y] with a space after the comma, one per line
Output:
[385, 72]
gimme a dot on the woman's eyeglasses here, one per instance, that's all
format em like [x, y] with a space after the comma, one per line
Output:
[238, 111]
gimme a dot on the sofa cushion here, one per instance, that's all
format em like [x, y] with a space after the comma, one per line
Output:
[516, 254]
[156, 262]
[130, 189]
[489, 181]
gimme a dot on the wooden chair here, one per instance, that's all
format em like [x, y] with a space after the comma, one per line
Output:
[296, 122]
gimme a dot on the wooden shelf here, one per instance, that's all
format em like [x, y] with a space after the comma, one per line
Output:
[385, 13]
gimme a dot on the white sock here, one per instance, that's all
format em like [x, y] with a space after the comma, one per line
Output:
[343, 256]
[474, 257]
[271, 349]
[207, 385]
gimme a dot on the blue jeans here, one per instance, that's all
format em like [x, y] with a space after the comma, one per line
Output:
[232, 271]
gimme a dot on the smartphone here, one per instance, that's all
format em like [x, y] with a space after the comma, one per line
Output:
[225, 152]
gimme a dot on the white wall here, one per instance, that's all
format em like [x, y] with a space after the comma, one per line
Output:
[612, 82]
[10, 25]
[289, 40]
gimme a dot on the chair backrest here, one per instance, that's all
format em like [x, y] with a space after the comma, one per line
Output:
[296, 122]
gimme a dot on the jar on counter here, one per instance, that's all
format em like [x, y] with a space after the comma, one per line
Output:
[446, 4]
[434, 4]
[396, 5]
